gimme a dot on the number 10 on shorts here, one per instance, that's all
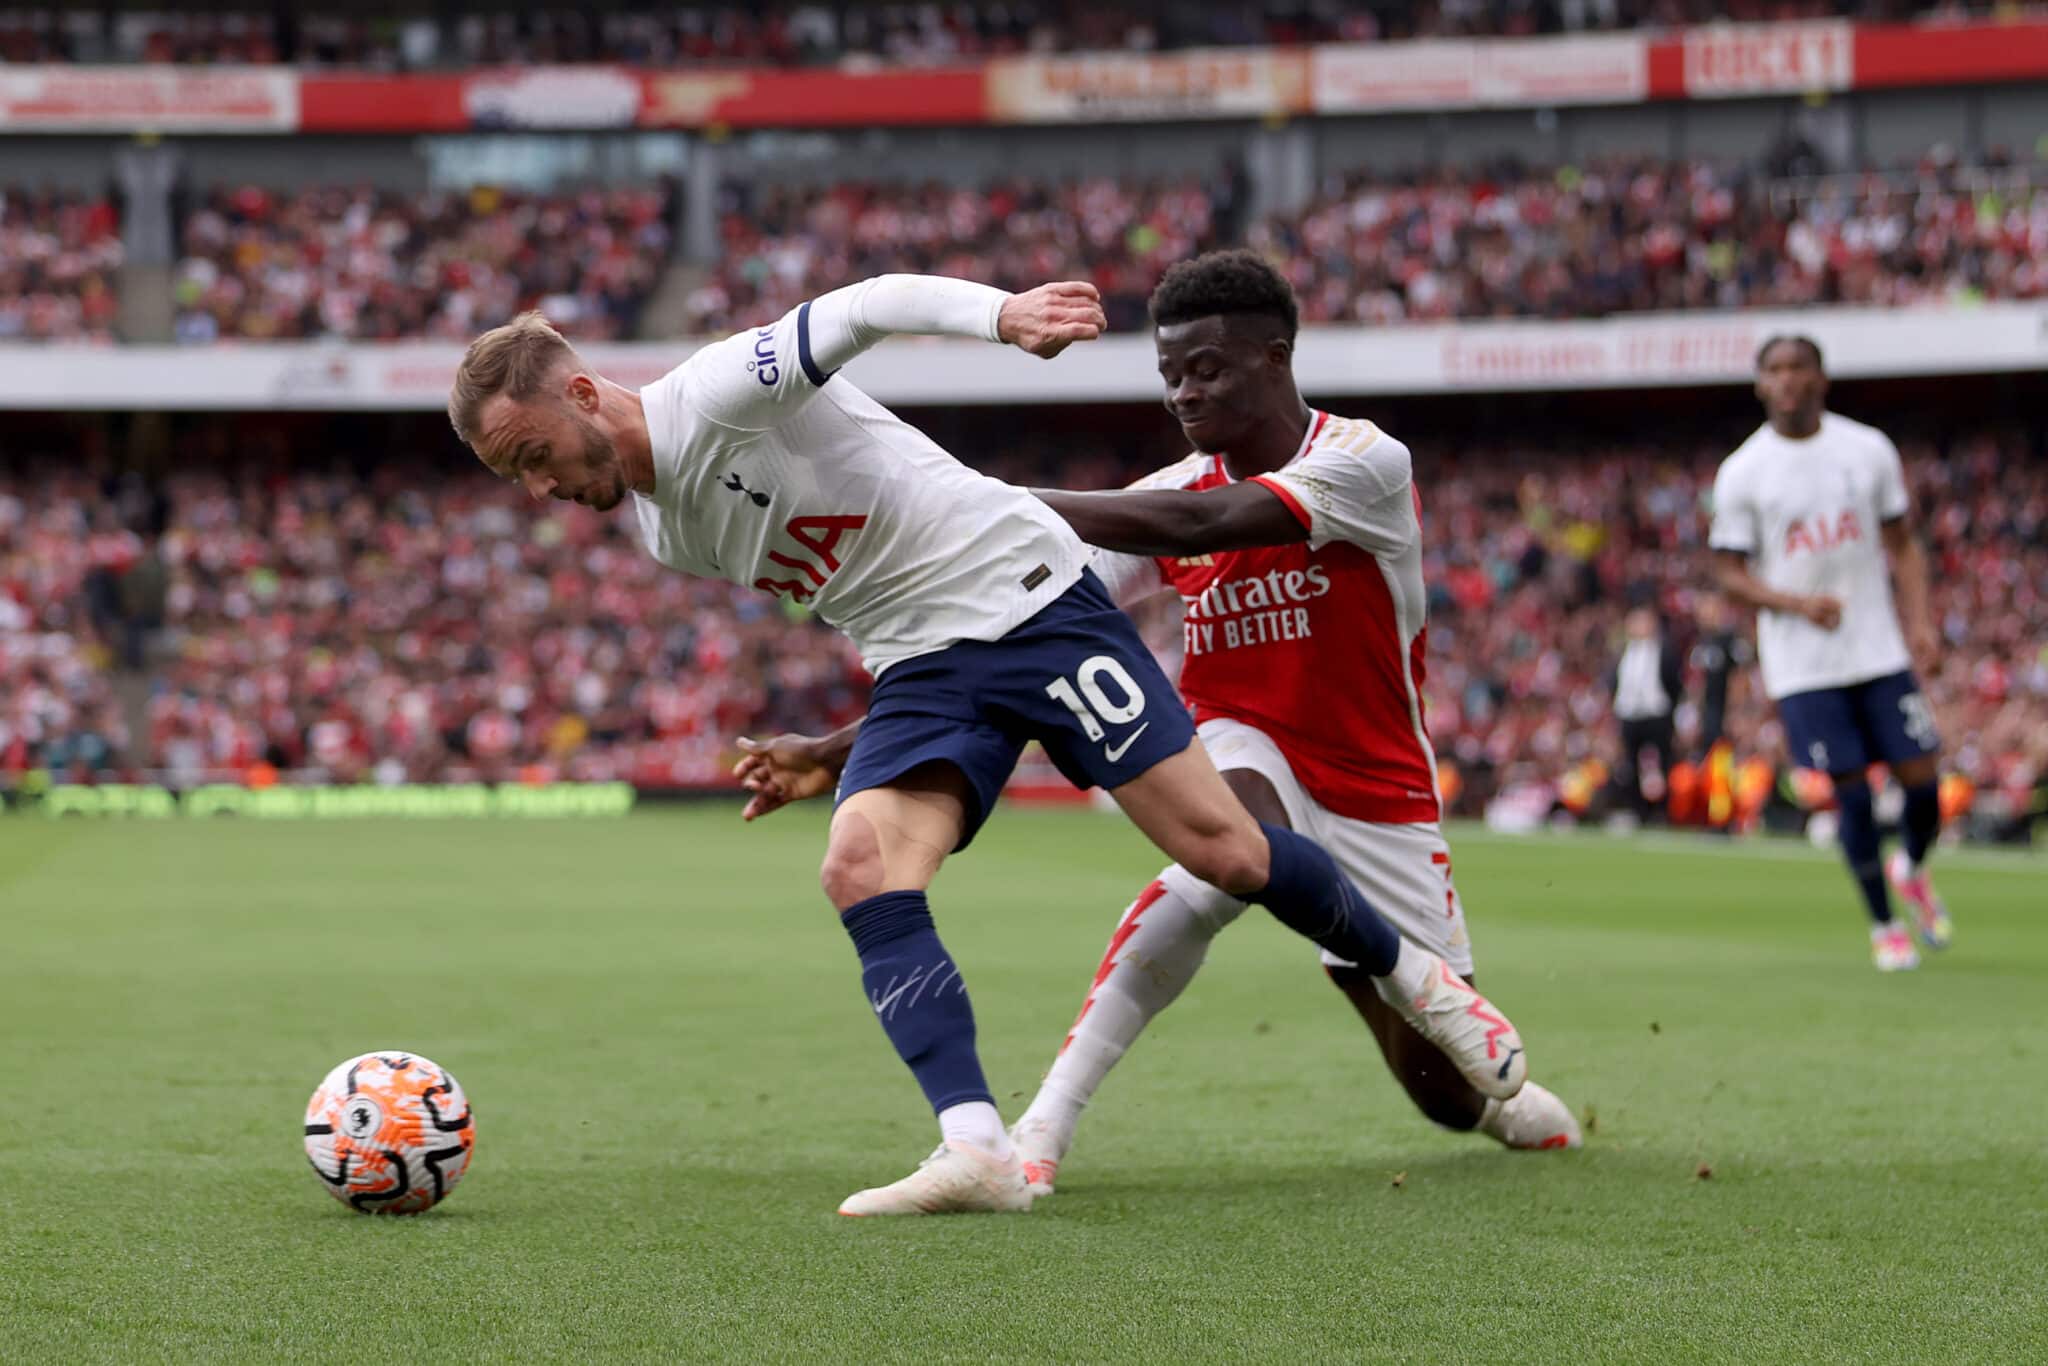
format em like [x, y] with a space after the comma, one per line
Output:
[1091, 701]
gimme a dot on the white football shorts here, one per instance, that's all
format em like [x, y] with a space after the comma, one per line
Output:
[1403, 869]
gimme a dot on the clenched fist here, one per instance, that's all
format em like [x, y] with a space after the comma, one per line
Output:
[1047, 320]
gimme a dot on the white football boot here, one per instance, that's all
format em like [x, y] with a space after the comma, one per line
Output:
[1535, 1118]
[1930, 915]
[955, 1179]
[1040, 1149]
[1471, 1030]
[1891, 948]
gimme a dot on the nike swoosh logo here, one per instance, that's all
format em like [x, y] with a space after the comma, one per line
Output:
[1116, 752]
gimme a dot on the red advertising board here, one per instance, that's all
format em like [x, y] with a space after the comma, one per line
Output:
[1713, 62]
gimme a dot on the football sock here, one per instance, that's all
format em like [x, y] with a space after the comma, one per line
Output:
[976, 1123]
[1859, 847]
[1158, 946]
[1921, 821]
[918, 996]
[1307, 894]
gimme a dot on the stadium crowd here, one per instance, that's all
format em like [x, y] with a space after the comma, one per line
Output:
[1604, 236]
[815, 32]
[780, 245]
[366, 627]
[59, 254]
[373, 265]
[1609, 235]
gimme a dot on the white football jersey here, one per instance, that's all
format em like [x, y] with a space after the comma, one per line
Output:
[771, 472]
[1809, 515]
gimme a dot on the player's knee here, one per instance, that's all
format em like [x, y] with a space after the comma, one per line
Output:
[1236, 861]
[852, 871]
[849, 877]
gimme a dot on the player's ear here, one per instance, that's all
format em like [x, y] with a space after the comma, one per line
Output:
[581, 391]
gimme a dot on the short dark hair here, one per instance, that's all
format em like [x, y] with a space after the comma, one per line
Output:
[1797, 339]
[1224, 282]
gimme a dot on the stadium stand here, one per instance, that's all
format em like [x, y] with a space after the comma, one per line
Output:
[796, 34]
[358, 624]
[59, 255]
[367, 264]
[1609, 235]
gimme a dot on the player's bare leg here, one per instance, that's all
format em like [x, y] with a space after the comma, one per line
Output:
[1920, 823]
[1533, 1118]
[886, 845]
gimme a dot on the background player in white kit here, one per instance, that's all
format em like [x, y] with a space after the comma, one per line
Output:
[1305, 635]
[972, 604]
[1807, 512]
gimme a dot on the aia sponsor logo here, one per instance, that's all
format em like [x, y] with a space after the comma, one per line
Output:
[1808, 536]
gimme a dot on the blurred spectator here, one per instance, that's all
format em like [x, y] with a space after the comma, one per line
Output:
[1647, 684]
[1716, 656]
[372, 265]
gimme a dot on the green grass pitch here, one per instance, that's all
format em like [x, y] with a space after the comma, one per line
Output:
[676, 1080]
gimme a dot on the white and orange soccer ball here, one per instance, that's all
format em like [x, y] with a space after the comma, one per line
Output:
[389, 1133]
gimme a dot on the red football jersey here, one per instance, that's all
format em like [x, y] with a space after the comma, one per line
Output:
[1318, 644]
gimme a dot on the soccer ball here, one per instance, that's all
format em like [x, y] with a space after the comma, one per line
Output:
[389, 1133]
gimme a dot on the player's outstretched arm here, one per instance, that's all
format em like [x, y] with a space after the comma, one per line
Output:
[1178, 521]
[1731, 569]
[755, 380]
[790, 768]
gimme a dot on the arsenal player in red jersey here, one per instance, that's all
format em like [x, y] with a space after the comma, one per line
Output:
[1293, 539]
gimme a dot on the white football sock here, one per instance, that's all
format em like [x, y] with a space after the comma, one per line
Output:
[1158, 946]
[976, 1123]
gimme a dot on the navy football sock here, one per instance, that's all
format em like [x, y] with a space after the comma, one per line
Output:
[918, 995]
[1921, 820]
[1859, 847]
[1306, 893]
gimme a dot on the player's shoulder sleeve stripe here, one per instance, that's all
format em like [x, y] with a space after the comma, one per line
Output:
[803, 347]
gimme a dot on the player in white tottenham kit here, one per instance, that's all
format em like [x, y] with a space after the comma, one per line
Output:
[1293, 539]
[972, 604]
[1807, 512]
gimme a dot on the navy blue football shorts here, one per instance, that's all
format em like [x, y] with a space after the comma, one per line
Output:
[1075, 677]
[1846, 730]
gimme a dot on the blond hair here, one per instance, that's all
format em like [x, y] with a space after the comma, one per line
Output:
[514, 359]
